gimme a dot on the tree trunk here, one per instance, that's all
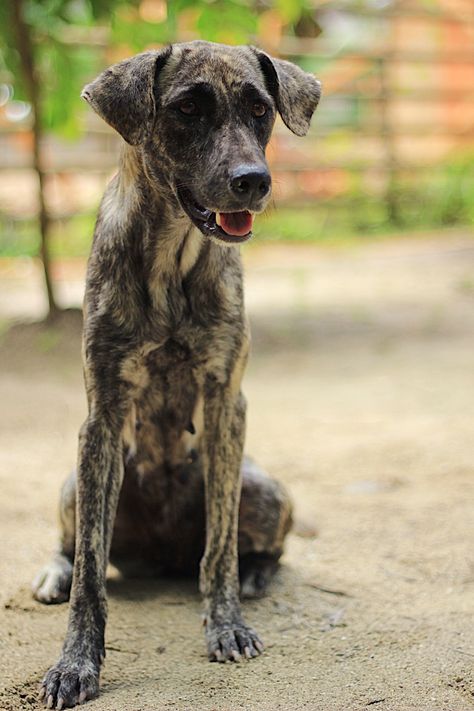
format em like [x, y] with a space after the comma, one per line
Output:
[25, 48]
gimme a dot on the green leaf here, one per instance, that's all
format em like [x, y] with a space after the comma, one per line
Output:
[290, 10]
[229, 21]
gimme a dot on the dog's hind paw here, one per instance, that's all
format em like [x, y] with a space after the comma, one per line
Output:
[69, 683]
[53, 583]
[256, 572]
[231, 642]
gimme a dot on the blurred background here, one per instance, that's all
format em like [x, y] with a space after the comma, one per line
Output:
[391, 147]
[360, 291]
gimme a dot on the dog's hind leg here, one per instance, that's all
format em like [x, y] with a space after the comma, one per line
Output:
[265, 517]
[53, 583]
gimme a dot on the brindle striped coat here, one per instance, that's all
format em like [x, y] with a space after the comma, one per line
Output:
[160, 473]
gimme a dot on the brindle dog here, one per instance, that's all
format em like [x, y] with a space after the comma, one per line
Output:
[160, 473]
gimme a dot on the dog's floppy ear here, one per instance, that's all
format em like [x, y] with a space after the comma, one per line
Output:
[123, 95]
[296, 93]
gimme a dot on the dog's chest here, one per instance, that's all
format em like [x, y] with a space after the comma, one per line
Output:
[166, 420]
[165, 430]
[195, 334]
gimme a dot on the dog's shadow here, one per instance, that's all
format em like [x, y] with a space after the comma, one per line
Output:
[287, 584]
[169, 589]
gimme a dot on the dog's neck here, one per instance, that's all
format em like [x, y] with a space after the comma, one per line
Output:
[152, 195]
[169, 244]
[170, 241]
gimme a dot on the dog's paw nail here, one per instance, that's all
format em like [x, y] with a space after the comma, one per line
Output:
[233, 642]
[82, 697]
[50, 702]
[60, 703]
[41, 693]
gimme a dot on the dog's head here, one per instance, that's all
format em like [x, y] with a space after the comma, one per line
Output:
[202, 114]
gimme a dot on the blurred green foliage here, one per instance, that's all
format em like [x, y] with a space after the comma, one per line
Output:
[61, 65]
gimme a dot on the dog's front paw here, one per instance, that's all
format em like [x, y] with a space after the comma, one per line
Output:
[231, 641]
[69, 683]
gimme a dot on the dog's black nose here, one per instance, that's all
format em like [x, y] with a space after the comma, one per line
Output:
[250, 181]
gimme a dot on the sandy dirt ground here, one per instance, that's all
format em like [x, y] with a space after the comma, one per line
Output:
[361, 398]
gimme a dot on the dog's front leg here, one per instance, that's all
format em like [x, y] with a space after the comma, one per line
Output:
[75, 677]
[228, 637]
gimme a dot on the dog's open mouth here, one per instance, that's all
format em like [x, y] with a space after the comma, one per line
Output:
[233, 227]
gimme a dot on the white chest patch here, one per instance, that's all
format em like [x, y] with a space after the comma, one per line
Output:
[191, 248]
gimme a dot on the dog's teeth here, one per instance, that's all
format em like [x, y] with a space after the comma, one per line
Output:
[218, 218]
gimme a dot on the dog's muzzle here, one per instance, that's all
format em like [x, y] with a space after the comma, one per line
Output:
[231, 227]
[249, 185]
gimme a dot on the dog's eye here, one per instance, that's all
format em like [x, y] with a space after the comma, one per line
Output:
[259, 109]
[188, 108]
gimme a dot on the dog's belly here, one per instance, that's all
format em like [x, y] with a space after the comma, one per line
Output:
[161, 508]
[161, 518]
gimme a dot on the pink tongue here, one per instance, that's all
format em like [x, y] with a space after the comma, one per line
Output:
[236, 223]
